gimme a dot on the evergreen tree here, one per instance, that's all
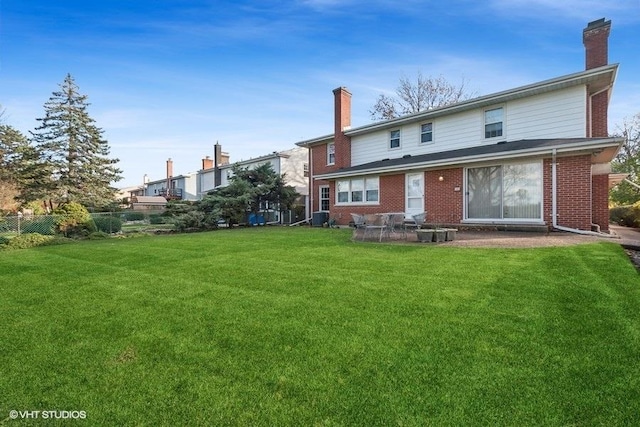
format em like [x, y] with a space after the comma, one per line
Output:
[73, 153]
[250, 190]
[12, 145]
[21, 170]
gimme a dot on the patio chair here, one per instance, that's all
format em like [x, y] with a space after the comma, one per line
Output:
[374, 223]
[395, 224]
[358, 223]
[416, 221]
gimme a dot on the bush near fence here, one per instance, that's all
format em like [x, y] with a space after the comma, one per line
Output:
[105, 222]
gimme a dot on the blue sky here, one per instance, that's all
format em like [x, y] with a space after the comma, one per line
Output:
[169, 78]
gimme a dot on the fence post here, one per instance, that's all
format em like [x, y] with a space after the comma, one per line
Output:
[19, 216]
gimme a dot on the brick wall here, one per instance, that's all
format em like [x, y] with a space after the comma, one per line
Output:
[599, 115]
[600, 202]
[443, 202]
[574, 192]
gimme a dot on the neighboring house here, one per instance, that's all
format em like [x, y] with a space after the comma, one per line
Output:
[292, 163]
[180, 187]
[216, 173]
[148, 203]
[534, 155]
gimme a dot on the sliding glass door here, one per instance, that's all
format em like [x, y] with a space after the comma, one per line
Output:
[505, 192]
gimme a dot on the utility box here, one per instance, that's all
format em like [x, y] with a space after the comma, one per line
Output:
[319, 218]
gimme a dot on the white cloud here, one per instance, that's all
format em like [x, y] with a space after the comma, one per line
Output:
[623, 11]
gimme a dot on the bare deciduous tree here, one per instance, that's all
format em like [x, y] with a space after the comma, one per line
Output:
[627, 161]
[424, 93]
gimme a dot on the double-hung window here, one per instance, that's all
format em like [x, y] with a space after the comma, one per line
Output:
[358, 190]
[394, 139]
[493, 120]
[426, 133]
[331, 154]
[324, 198]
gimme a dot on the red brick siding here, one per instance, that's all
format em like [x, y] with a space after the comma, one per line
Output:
[599, 115]
[443, 202]
[600, 202]
[574, 192]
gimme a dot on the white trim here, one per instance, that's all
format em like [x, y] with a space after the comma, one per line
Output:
[328, 154]
[503, 122]
[433, 135]
[390, 138]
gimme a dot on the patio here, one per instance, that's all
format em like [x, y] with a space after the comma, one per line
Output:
[511, 239]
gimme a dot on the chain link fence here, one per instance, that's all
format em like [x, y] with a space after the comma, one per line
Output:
[107, 222]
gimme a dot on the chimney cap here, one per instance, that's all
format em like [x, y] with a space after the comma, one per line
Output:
[597, 24]
[341, 89]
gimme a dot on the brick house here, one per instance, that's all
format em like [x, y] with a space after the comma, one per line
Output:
[536, 155]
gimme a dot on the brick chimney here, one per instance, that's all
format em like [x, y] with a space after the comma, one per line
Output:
[342, 122]
[595, 38]
[217, 160]
[169, 174]
[596, 42]
[207, 163]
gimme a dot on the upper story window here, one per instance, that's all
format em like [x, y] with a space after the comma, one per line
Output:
[331, 154]
[305, 170]
[493, 120]
[394, 139]
[426, 133]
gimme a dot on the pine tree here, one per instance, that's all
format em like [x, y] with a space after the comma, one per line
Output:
[12, 146]
[73, 152]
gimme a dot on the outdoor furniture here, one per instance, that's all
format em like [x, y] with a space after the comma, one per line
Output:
[415, 222]
[358, 224]
[395, 224]
[376, 224]
[358, 220]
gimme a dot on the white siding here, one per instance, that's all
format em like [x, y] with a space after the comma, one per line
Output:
[206, 181]
[559, 114]
[293, 168]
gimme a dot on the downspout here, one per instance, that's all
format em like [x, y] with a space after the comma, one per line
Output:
[554, 205]
[311, 189]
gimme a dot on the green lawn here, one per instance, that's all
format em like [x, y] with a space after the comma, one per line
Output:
[299, 326]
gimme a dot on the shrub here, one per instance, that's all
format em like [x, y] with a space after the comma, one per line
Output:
[629, 216]
[98, 235]
[108, 224]
[74, 220]
[133, 216]
[45, 225]
[156, 219]
[31, 240]
[4, 240]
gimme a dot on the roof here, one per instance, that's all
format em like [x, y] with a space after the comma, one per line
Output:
[150, 200]
[597, 79]
[603, 150]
